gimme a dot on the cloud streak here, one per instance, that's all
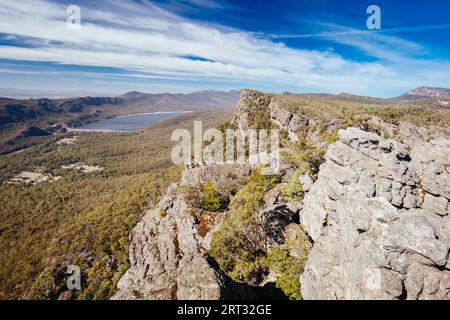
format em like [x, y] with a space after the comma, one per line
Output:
[146, 41]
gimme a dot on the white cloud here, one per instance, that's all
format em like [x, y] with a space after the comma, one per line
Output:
[145, 39]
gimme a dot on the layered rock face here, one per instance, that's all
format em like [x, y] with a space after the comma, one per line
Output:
[290, 122]
[168, 251]
[156, 253]
[250, 103]
[379, 216]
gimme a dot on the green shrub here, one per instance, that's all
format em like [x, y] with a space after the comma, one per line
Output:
[204, 197]
[237, 245]
[288, 261]
[294, 189]
[288, 271]
[163, 213]
[330, 137]
[211, 200]
[306, 156]
[192, 195]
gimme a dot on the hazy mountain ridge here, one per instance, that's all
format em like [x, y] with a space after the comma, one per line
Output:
[16, 116]
[18, 111]
[417, 94]
[14, 111]
[179, 101]
[428, 92]
[22, 94]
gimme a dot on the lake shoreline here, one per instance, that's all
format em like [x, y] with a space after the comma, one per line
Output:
[125, 123]
[98, 130]
[150, 113]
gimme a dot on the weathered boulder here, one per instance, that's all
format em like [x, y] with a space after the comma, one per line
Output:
[279, 115]
[306, 182]
[431, 162]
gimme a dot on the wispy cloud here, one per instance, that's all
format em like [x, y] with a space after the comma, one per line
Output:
[382, 44]
[209, 4]
[350, 31]
[147, 41]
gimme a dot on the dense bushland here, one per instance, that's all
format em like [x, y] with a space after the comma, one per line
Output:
[84, 218]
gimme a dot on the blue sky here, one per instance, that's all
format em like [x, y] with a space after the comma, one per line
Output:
[191, 45]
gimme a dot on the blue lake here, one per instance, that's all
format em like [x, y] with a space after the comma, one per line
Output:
[130, 122]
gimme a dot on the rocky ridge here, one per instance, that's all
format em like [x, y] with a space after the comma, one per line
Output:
[430, 92]
[169, 252]
[378, 216]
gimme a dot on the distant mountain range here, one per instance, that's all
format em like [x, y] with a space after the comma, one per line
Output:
[80, 109]
[18, 115]
[21, 94]
[419, 93]
[209, 99]
[24, 120]
[427, 92]
[74, 111]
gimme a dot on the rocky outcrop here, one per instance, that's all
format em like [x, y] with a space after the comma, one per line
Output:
[379, 217]
[251, 103]
[168, 250]
[202, 279]
[288, 121]
[197, 175]
[429, 92]
[261, 110]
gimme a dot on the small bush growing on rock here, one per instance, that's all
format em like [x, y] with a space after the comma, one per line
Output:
[294, 189]
[163, 213]
[288, 261]
[288, 271]
[192, 195]
[230, 186]
[306, 156]
[204, 197]
[330, 137]
[211, 200]
[238, 245]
